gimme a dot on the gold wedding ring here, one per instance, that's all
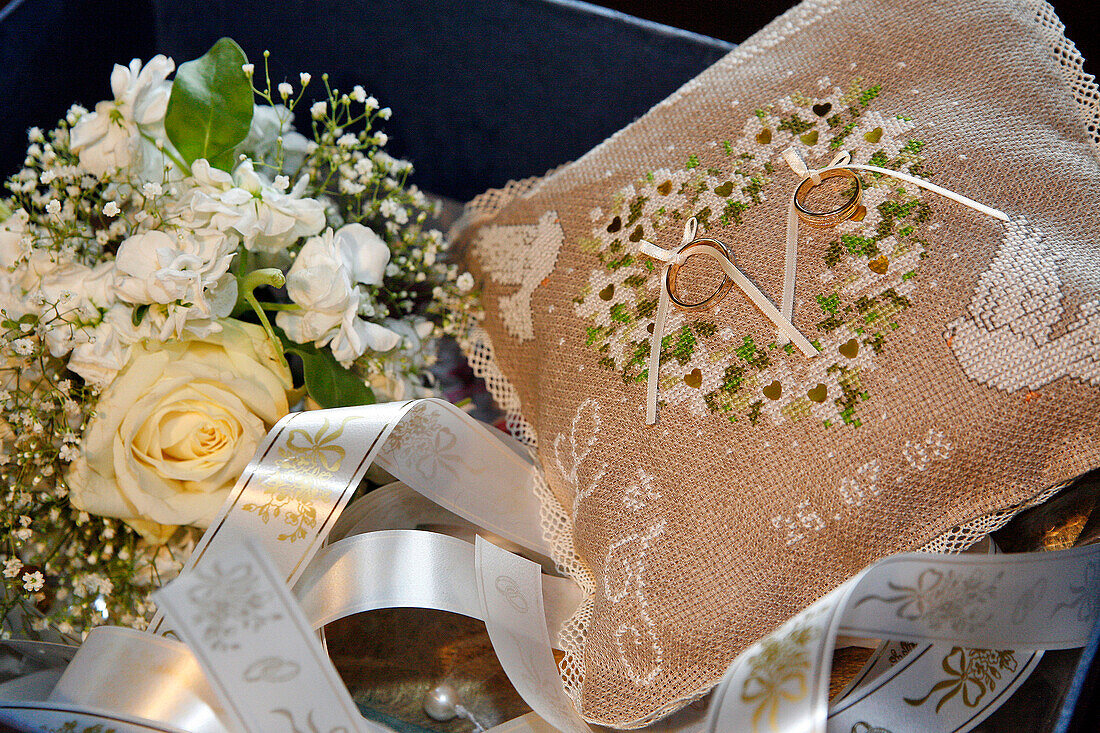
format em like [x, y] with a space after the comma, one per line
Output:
[674, 273]
[828, 218]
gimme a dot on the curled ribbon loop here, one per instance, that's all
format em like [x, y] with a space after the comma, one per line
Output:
[674, 259]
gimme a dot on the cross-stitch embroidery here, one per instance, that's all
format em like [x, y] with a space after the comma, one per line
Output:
[709, 365]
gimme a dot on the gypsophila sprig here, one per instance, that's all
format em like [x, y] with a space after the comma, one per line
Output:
[138, 259]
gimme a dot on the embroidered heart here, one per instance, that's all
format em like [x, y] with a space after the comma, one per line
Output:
[879, 265]
[849, 349]
[615, 225]
[809, 138]
[725, 189]
[818, 393]
[694, 378]
[822, 109]
[873, 136]
[764, 136]
[774, 390]
[607, 293]
[637, 234]
[665, 188]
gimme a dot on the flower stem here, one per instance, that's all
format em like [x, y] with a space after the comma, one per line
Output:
[280, 306]
[246, 298]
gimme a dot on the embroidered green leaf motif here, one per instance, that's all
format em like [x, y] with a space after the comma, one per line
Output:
[210, 108]
[871, 265]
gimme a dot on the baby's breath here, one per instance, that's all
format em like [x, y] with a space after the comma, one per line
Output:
[61, 566]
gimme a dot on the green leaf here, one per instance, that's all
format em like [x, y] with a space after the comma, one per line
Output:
[210, 110]
[139, 315]
[330, 384]
[327, 382]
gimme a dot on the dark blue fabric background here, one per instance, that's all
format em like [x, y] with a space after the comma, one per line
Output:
[481, 92]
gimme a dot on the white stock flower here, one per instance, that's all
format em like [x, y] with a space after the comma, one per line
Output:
[73, 296]
[188, 273]
[13, 236]
[364, 252]
[106, 348]
[156, 267]
[109, 138]
[268, 125]
[324, 280]
[266, 219]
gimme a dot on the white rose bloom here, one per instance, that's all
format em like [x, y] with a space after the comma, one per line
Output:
[324, 281]
[267, 220]
[176, 427]
[109, 138]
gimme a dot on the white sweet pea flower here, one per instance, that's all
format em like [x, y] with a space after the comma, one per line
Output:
[266, 219]
[109, 138]
[324, 280]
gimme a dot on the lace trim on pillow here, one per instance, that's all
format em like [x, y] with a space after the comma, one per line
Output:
[479, 350]
[1072, 64]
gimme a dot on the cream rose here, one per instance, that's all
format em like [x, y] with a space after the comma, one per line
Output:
[177, 426]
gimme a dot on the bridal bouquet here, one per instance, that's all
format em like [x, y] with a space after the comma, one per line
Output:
[161, 257]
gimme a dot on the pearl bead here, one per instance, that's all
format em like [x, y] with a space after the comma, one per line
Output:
[440, 702]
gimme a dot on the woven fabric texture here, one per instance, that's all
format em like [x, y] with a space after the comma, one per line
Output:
[960, 355]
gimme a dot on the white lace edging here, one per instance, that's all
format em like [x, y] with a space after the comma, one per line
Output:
[1072, 65]
[557, 528]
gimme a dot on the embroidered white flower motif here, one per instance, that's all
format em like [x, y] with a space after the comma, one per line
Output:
[325, 280]
[109, 138]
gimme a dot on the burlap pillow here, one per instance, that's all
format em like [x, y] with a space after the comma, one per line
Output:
[959, 353]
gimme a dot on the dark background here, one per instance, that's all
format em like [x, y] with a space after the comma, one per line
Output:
[736, 21]
[482, 92]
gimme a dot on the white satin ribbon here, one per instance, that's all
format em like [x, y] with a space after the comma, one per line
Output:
[1029, 601]
[303, 475]
[946, 604]
[797, 163]
[678, 257]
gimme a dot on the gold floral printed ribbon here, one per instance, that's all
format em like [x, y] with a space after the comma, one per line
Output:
[305, 472]
[977, 612]
[968, 630]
